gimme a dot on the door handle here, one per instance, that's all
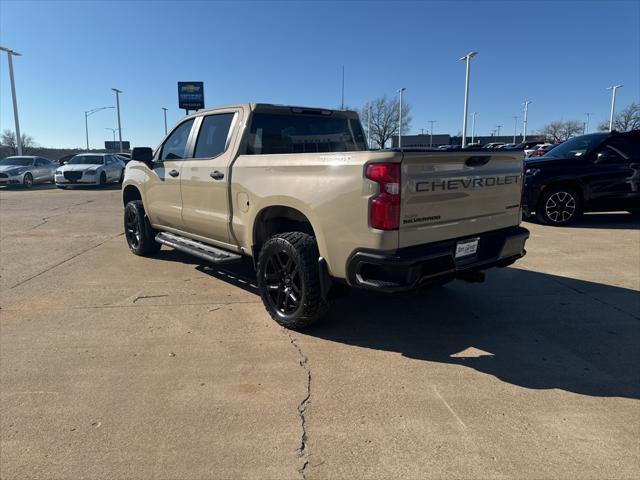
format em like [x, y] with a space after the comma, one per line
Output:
[174, 173]
[216, 175]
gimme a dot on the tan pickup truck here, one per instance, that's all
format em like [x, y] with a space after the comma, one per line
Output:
[298, 190]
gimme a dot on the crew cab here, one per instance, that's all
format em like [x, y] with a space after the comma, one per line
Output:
[589, 173]
[297, 190]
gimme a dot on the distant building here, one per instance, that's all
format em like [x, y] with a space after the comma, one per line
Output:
[424, 140]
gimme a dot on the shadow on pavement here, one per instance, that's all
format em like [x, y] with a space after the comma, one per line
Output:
[617, 221]
[526, 328]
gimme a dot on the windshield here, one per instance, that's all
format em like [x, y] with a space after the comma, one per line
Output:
[17, 161]
[86, 160]
[577, 147]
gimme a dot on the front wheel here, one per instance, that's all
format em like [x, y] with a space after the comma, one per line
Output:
[27, 181]
[559, 206]
[138, 231]
[289, 280]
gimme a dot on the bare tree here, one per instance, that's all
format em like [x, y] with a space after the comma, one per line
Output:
[559, 131]
[8, 140]
[385, 119]
[626, 120]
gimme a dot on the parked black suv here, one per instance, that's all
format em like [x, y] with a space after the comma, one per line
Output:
[589, 173]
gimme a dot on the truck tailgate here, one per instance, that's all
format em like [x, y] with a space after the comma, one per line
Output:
[457, 194]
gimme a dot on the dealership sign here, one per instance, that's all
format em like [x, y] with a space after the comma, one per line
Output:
[109, 145]
[191, 95]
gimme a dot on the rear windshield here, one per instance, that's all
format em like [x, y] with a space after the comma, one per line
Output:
[273, 133]
[17, 161]
[86, 160]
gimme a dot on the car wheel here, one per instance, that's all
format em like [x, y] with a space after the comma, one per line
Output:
[559, 206]
[103, 179]
[138, 231]
[289, 280]
[27, 180]
[63, 187]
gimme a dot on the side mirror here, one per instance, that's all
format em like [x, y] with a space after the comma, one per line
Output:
[142, 154]
[606, 155]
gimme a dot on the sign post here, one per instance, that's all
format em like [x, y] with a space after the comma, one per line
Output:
[190, 96]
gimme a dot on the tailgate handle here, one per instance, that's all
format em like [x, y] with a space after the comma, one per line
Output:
[477, 161]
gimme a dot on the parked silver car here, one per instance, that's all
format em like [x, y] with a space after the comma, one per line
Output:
[90, 169]
[26, 170]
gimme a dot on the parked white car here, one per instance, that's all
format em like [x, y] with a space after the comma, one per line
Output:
[90, 169]
[26, 171]
[529, 151]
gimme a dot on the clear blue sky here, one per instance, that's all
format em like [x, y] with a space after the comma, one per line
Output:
[560, 55]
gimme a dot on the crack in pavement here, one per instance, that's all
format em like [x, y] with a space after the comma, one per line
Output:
[65, 261]
[44, 220]
[142, 297]
[303, 450]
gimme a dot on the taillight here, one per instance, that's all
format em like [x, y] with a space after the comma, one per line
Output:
[384, 210]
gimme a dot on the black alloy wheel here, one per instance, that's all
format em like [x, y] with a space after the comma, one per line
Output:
[132, 228]
[283, 282]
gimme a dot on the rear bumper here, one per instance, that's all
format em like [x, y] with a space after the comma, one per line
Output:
[412, 267]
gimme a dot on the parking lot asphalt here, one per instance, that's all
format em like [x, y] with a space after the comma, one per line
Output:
[115, 366]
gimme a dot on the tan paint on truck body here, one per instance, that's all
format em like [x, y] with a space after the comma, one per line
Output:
[330, 190]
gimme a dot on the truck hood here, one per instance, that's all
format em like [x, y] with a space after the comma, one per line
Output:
[542, 162]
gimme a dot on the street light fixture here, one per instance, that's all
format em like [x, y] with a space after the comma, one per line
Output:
[468, 58]
[431, 132]
[401, 91]
[524, 122]
[165, 119]
[87, 114]
[114, 132]
[498, 127]
[118, 92]
[10, 55]
[613, 89]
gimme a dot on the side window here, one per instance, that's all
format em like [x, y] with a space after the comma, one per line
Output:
[626, 146]
[212, 139]
[175, 146]
[40, 162]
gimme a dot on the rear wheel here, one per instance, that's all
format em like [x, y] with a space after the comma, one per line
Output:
[559, 206]
[103, 179]
[138, 231]
[289, 280]
[27, 181]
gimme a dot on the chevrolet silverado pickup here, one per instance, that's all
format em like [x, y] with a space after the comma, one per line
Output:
[297, 190]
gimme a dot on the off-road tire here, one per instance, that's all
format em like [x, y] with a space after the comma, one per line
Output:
[567, 210]
[27, 180]
[138, 232]
[302, 278]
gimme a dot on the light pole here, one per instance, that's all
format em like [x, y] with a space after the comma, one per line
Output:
[613, 89]
[369, 127]
[431, 132]
[515, 127]
[164, 109]
[473, 128]
[498, 128]
[524, 123]
[114, 132]
[10, 55]
[401, 91]
[118, 92]
[468, 58]
[586, 124]
[87, 114]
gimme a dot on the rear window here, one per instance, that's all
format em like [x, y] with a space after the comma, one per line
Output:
[273, 133]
